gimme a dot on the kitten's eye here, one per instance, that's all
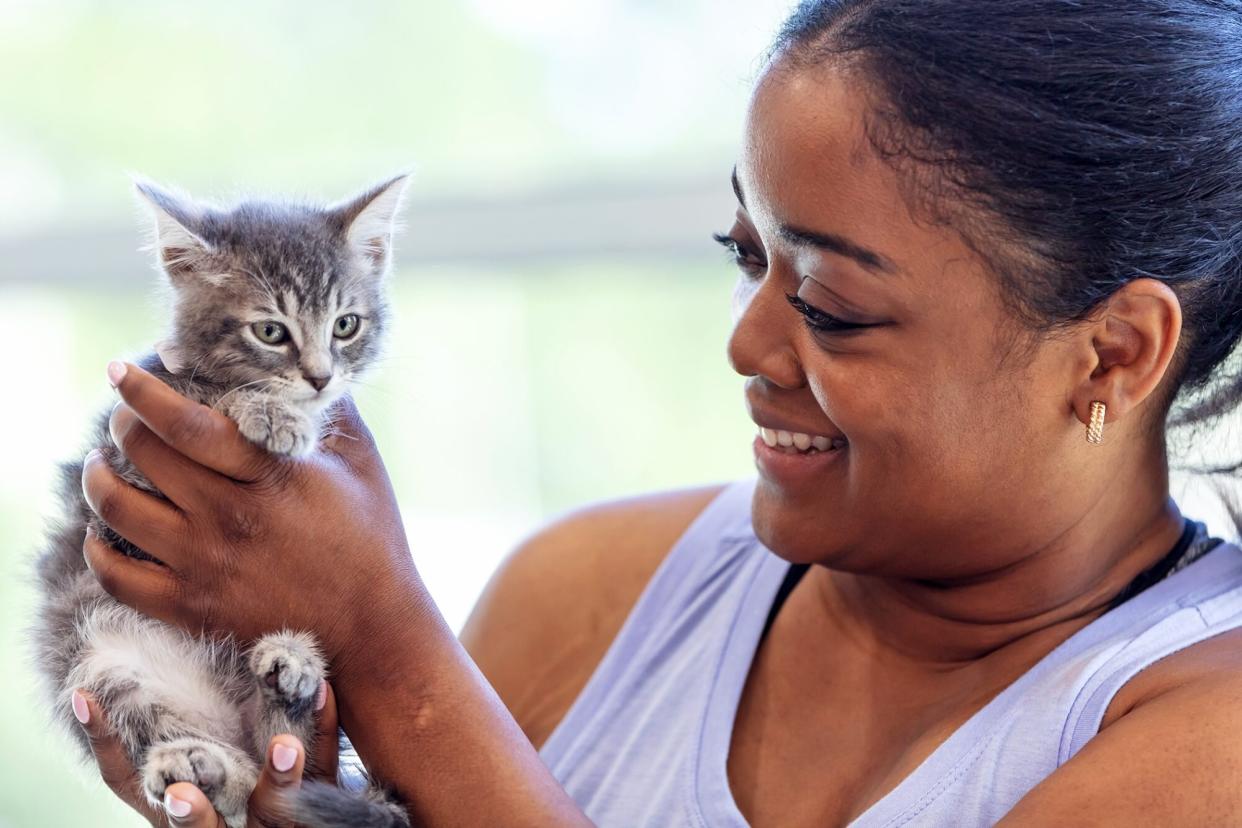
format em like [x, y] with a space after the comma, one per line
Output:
[346, 326]
[273, 333]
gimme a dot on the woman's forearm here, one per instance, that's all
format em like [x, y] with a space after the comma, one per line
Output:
[426, 722]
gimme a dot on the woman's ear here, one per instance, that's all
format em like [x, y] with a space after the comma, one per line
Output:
[1128, 347]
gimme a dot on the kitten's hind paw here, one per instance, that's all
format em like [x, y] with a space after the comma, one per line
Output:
[288, 669]
[225, 775]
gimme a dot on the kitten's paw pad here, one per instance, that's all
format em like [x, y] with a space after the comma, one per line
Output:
[288, 668]
[279, 429]
[222, 777]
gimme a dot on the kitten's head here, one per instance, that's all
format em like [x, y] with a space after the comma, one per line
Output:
[283, 297]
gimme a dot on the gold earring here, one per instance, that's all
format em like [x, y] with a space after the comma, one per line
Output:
[1095, 429]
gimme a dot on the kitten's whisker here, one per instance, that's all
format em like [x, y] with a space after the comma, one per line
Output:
[231, 391]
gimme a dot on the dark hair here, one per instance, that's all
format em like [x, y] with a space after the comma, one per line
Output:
[1100, 142]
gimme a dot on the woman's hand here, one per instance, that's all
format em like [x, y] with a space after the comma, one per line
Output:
[185, 806]
[252, 542]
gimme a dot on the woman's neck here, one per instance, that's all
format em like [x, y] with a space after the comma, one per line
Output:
[1036, 597]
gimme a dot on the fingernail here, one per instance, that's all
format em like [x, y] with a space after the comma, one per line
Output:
[177, 807]
[283, 757]
[80, 711]
[116, 373]
[120, 421]
[92, 455]
[321, 697]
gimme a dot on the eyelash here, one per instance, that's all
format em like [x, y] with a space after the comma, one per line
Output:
[816, 319]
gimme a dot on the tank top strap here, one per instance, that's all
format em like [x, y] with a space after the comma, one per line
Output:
[1209, 603]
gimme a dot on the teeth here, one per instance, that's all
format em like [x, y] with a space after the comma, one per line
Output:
[799, 441]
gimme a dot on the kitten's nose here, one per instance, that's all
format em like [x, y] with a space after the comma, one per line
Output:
[318, 383]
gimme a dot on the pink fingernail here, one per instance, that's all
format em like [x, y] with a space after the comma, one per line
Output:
[321, 697]
[80, 711]
[283, 757]
[177, 807]
[116, 373]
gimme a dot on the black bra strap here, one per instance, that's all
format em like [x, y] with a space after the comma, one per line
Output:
[1160, 568]
[795, 573]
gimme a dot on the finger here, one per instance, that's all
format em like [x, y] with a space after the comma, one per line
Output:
[188, 807]
[114, 765]
[143, 585]
[205, 436]
[326, 755]
[281, 774]
[149, 522]
[182, 481]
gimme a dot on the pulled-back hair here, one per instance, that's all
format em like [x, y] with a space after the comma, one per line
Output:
[1089, 143]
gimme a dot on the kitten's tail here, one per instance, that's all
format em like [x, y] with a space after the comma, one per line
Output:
[318, 805]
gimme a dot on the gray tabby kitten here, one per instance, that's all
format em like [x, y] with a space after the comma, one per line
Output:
[276, 308]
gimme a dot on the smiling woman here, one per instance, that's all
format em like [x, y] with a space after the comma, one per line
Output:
[973, 236]
[964, 245]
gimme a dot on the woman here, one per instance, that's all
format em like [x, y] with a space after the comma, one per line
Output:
[970, 234]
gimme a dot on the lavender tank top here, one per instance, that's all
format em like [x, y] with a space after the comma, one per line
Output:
[647, 739]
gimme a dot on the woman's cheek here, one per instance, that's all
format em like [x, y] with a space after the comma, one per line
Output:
[743, 292]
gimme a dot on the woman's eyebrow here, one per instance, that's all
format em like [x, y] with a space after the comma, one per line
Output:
[831, 242]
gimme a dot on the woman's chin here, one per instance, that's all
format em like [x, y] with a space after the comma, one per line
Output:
[799, 535]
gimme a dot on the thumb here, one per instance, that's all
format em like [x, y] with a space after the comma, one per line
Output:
[281, 775]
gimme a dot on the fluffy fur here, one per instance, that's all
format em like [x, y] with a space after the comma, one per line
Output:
[202, 710]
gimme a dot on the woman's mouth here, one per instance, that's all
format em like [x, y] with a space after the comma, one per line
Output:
[794, 442]
[793, 460]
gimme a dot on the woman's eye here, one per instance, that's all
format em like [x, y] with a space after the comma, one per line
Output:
[346, 326]
[822, 321]
[743, 258]
[273, 333]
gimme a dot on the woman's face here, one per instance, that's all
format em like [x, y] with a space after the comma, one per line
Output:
[955, 443]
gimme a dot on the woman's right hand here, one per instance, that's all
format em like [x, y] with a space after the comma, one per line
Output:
[119, 774]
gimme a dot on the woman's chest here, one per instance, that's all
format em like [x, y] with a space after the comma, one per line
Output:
[786, 771]
[816, 743]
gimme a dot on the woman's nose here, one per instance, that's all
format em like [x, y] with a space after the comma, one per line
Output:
[762, 341]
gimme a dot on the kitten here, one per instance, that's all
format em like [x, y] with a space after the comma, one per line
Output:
[276, 308]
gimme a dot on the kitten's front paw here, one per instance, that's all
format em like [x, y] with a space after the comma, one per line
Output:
[288, 669]
[224, 775]
[278, 428]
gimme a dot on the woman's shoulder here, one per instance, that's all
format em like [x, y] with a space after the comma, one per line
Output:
[549, 613]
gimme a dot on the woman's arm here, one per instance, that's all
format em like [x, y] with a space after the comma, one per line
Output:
[254, 542]
[1173, 758]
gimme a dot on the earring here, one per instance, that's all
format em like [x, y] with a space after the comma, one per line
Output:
[1095, 429]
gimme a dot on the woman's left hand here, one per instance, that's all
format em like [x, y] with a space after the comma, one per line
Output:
[252, 542]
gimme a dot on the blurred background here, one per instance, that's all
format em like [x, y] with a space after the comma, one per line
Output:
[561, 312]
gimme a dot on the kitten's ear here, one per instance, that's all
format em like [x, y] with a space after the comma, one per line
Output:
[178, 245]
[368, 221]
